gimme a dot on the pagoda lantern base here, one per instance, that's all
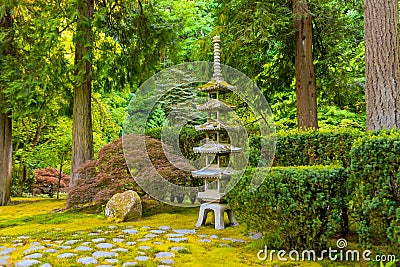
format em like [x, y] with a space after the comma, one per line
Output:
[218, 209]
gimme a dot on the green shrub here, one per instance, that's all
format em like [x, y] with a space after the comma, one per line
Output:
[294, 148]
[375, 178]
[294, 208]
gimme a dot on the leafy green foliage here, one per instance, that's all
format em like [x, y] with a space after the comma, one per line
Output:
[294, 208]
[375, 176]
[294, 148]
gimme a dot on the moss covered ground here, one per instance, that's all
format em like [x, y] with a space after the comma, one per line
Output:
[35, 225]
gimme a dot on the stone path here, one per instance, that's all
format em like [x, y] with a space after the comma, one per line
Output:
[114, 246]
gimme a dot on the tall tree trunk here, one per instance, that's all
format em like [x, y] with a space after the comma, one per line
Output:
[82, 140]
[5, 124]
[5, 158]
[382, 64]
[304, 66]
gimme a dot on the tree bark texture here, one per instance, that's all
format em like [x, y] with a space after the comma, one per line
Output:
[304, 67]
[6, 124]
[82, 140]
[382, 64]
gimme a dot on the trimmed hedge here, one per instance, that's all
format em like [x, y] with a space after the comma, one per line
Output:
[294, 208]
[294, 148]
[375, 176]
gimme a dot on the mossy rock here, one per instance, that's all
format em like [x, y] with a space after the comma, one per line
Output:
[123, 207]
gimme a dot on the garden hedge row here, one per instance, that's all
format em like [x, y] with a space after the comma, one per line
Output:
[294, 208]
[293, 148]
[375, 176]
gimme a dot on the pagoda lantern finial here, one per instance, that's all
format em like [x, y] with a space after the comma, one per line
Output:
[217, 76]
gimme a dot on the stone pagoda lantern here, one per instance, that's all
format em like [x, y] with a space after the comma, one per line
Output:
[217, 148]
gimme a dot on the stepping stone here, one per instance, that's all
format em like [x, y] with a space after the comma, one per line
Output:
[32, 249]
[142, 258]
[143, 239]
[83, 248]
[71, 242]
[118, 240]
[130, 243]
[158, 243]
[165, 255]
[120, 250]
[85, 243]
[105, 245]
[59, 242]
[113, 227]
[129, 263]
[35, 244]
[214, 237]
[146, 227]
[98, 240]
[4, 260]
[205, 240]
[87, 260]
[27, 263]
[179, 249]
[144, 247]
[224, 245]
[130, 231]
[104, 265]
[50, 250]
[255, 236]
[163, 265]
[92, 234]
[17, 241]
[66, 255]
[33, 256]
[7, 251]
[177, 239]
[175, 235]
[202, 236]
[64, 247]
[104, 254]
[185, 231]
[151, 236]
[234, 240]
[18, 244]
[167, 261]
[129, 226]
[46, 241]
[112, 261]
[157, 231]
[165, 228]
[46, 265]
[24, 237]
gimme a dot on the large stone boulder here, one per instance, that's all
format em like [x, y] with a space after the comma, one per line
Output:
[123, 207]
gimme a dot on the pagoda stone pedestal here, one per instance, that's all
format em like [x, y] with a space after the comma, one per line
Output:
[217, 148]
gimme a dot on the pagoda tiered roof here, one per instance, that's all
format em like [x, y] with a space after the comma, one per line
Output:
[213, 86]
[213, 126]
[213, 172]
[215, 105]
[214, 148]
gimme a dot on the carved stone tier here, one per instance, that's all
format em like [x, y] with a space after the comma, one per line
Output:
[213, 126]
[214, 148]
[215, 105]
[213, 172]
[214, 86]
